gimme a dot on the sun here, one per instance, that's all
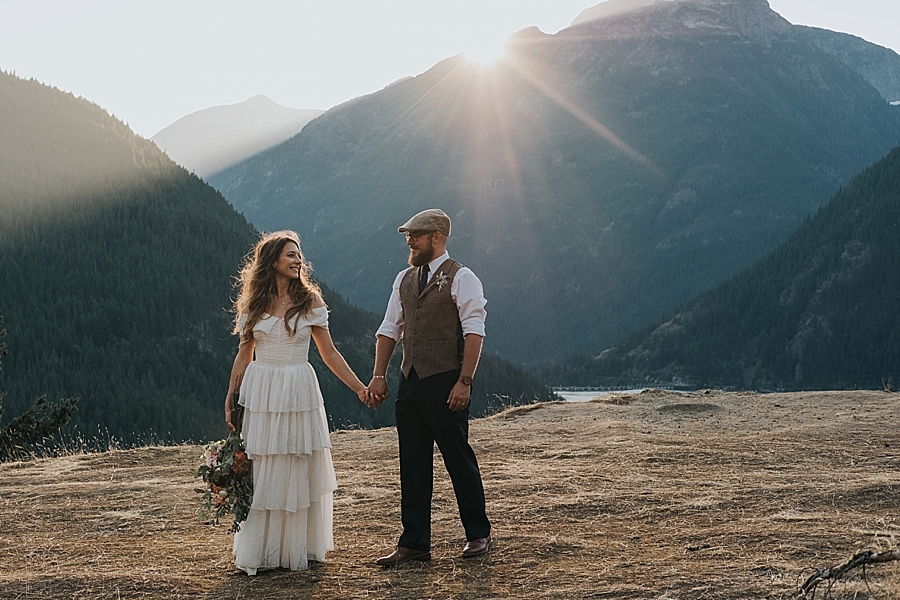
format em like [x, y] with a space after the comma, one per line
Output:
[486, 52]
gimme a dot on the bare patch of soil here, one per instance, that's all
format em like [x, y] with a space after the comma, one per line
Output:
[651, 495]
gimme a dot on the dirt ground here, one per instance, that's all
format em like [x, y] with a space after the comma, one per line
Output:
[659, 495]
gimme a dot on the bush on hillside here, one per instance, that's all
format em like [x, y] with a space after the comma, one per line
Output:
[39, 423]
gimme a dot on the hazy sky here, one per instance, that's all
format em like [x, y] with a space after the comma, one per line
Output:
[152, 62]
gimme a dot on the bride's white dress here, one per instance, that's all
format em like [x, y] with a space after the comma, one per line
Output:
[286, 435]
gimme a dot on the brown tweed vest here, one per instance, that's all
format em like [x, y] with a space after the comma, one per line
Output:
[432, 335]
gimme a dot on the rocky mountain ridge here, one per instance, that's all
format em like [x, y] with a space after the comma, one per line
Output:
[878, 65]
[754, 18]
[630, 18]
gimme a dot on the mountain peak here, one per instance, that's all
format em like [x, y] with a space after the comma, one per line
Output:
[261, 99]
[674, 17]
[529, 33]
[213, 139]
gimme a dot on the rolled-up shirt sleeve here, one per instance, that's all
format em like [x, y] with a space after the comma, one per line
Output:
[468, 294]
[392, 325]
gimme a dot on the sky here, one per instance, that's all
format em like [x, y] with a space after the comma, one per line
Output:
[150, 63]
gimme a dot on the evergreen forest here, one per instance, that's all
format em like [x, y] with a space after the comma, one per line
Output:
[821, 312]
[116, 279]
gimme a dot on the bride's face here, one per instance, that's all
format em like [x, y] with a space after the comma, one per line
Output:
[289, 262]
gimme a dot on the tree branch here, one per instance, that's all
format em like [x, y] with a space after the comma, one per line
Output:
[860, 559]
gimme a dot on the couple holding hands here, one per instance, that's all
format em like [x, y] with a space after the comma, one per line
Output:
[436, 307]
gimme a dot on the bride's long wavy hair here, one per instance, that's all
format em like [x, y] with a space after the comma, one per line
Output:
[257, 287]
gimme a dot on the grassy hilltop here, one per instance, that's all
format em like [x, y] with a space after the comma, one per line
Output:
[653, 495]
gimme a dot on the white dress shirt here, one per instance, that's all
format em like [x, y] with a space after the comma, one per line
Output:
[466, 291]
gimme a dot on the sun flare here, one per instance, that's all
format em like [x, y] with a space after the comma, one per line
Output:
[487, 52]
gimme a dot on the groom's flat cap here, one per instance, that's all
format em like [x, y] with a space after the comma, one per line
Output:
[433, 219]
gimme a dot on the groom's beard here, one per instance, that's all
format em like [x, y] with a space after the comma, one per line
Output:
[424, 256]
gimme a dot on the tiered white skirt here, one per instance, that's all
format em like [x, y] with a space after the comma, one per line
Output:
[286, 435]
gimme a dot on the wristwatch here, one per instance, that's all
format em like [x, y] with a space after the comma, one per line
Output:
[466, 380]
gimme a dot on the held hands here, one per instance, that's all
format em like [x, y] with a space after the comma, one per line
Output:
[365, 396]
[378, 392]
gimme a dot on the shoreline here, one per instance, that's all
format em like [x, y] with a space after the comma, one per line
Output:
[588, 395]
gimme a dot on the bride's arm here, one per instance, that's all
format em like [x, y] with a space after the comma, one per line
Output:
[334, 360]
[243, 358]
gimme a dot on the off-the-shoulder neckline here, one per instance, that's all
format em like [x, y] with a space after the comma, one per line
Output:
[268, 316]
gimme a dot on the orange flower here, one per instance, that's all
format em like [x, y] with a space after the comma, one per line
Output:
[241, 463]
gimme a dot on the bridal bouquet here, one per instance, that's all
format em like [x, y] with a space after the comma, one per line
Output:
[227, 472]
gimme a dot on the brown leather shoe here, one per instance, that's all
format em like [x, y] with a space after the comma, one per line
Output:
[402, 555]
[477, 547]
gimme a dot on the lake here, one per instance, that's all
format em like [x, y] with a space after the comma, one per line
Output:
[582, 396]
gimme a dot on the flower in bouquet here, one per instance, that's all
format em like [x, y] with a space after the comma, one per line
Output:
[227, 472]
[241, 462]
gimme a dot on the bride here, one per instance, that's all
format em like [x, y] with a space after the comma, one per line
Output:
[278, 309]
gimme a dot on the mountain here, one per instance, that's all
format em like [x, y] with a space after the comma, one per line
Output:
[818, 313]
[213, 139]
[116, 270]
[596, 178]
[611, 8]
[877, 65]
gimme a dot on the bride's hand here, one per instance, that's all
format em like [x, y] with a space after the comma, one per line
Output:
[228, 418]
[364, 396]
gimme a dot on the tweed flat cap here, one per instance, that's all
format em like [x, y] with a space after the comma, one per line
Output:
[433, 219]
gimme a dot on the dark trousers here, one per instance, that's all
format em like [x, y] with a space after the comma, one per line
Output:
[423, 419]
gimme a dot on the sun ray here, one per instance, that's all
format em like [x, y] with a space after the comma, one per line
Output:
[529, 75]
[455, 71]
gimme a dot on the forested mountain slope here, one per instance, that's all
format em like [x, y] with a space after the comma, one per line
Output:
[818, 313]
[116, 270]
[596, 178]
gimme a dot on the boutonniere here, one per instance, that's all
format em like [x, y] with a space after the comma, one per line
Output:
[441, 280]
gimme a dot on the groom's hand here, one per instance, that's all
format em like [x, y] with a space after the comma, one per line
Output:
[459, 396]
[379, 391]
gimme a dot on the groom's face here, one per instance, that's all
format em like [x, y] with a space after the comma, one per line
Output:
[421, 249]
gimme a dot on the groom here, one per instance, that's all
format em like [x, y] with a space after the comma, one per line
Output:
[437, 308]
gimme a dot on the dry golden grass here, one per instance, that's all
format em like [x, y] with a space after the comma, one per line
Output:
[654, 495]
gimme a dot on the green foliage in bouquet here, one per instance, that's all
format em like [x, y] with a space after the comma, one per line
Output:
[228, 474]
